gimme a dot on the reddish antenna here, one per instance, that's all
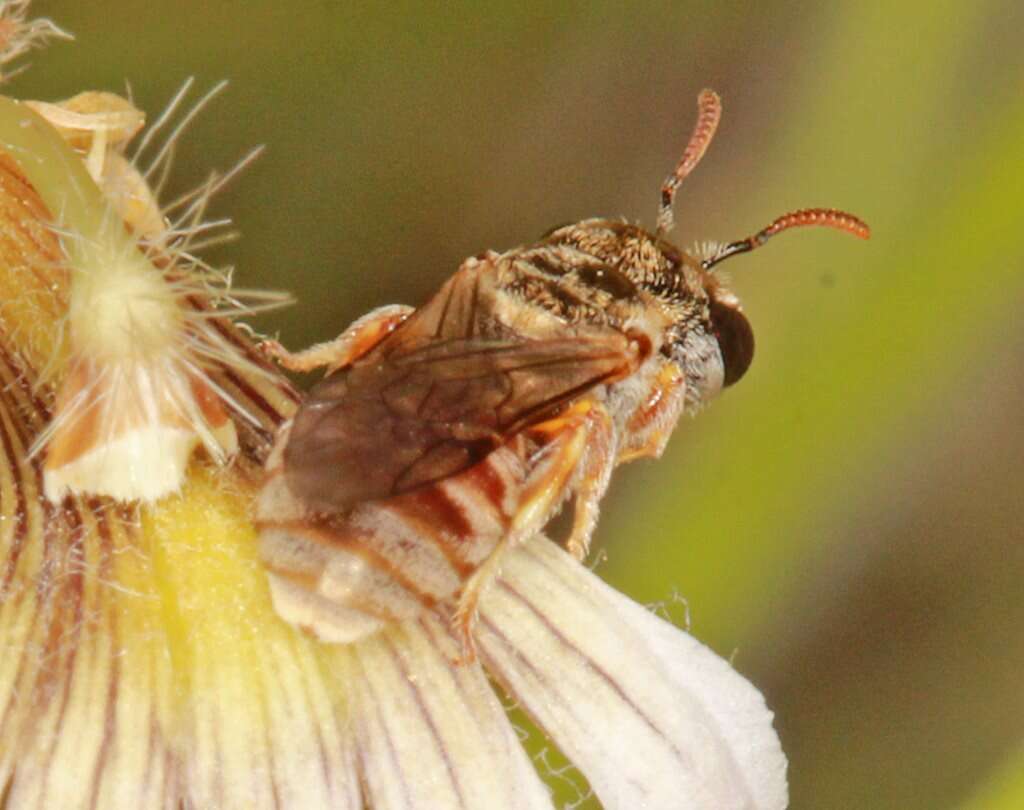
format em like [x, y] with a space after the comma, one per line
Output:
[709, 113]
[827, 217]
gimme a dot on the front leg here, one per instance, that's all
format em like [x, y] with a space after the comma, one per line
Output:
[650, 425]
[566, 439]
[348, 347]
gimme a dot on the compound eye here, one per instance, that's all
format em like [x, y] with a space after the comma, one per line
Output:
[735, 340]
[614, 282]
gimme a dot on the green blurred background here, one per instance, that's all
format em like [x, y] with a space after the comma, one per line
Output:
[847, 521]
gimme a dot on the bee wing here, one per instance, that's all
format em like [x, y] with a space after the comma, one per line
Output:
[422, 413]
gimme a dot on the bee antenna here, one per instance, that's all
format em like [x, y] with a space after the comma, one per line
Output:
[828, 217]
[709, 113]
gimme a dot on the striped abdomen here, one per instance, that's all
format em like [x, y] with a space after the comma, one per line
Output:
[342, 576]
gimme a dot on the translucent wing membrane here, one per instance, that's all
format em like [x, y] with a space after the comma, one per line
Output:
[388, 426]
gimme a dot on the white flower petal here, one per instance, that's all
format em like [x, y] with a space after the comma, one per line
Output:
[431, 733]
[267, 735]
[652, 717]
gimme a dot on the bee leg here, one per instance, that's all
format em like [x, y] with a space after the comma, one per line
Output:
[592, 479]
[651, 424]
[543, 491]
[348, 347]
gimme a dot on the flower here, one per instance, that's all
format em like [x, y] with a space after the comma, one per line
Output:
[134, 399]
[142, 664]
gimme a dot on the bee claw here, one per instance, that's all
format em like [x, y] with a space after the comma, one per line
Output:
[271, 349]
[463, 624]
[577, 549]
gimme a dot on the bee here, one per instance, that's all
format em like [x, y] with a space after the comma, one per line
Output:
[443, 436]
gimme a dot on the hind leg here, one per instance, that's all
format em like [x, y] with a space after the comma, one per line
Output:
[348, 347]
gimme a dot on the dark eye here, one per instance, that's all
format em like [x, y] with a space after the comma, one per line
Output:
[614, 282]
[735, 340]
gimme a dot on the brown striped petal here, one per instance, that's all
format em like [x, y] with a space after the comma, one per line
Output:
[430, 733]
[653, 718]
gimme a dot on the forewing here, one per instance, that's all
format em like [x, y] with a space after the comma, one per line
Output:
[407, 418]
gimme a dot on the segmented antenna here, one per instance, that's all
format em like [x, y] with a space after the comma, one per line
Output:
[709, 113]
[828, 217]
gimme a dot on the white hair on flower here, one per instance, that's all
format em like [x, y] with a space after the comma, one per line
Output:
[135, 398]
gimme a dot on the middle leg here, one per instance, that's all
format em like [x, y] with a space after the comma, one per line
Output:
[565, 439]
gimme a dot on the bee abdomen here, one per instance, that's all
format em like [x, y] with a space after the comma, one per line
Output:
[343, 576]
